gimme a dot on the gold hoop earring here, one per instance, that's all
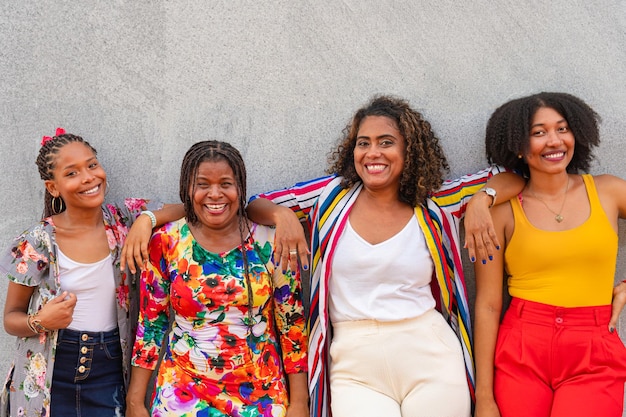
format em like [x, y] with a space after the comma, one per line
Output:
[57, 205]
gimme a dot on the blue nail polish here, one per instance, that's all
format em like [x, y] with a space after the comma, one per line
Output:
[284, 271]
[305, 267]
[498, 247]
[473, 259]
[484, 262]
[490, 258]
[611, 329]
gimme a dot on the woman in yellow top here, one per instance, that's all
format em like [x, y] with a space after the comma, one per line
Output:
[556, 352]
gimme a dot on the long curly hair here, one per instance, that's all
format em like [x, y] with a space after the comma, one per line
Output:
[508, 131]
[46, 162]
[424, 161]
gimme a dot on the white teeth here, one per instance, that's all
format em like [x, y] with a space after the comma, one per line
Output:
[215, 206]
[92, 191]
[555, 155]
[375, 168]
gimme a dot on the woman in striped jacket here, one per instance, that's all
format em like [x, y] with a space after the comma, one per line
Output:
[389, 319]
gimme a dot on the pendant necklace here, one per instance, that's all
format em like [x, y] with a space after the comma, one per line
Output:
[557, 216]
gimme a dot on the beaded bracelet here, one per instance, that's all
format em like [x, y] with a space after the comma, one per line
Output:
[152, 217]
[34, 324]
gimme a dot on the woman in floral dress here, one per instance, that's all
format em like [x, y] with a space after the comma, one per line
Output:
[68, 299]
[237, 320]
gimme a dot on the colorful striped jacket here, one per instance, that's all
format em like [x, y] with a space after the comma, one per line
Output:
[325, 205]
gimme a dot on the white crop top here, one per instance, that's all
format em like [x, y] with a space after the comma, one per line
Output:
[386, 282]
[94, 287]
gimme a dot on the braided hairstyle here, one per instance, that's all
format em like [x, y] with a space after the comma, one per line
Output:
[46, 163]
[425, 163]
[508, 130]
[214, 151]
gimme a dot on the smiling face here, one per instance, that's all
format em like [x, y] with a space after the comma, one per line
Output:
[78, 177]
[215, 195]
[379, 153]
[551, 143]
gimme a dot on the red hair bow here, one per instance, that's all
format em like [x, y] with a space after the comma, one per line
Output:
[60, 131]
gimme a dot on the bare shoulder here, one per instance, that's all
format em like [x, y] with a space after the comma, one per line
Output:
[612, 194]
[609, 183]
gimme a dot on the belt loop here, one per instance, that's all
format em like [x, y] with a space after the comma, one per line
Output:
[101, 338]
[520, 308]
[597, 316]
[60, 335]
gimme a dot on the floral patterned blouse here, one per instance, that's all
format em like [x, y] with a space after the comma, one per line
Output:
[221, 358]
[32, 260]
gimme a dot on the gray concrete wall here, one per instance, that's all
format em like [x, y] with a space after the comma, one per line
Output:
[143, 80]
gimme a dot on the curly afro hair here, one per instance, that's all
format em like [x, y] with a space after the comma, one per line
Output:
[508, 130]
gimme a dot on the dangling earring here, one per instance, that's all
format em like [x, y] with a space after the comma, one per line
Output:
[58, 205]
[106, 191]
[519, 156]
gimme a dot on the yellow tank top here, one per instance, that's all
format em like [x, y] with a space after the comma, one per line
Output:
[571, 268]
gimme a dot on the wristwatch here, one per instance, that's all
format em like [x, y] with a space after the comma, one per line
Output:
[490, 192]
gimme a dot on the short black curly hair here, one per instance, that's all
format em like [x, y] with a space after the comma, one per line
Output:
[508, 130]
[425, 163]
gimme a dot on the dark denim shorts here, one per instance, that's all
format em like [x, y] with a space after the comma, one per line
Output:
[88, 379]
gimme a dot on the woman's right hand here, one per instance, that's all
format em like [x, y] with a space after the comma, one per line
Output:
[58, 312]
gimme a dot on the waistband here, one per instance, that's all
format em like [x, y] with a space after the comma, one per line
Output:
[356, 327]
[573, 316]
[89, 337]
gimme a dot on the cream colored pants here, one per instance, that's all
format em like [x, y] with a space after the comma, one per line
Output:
[408, 368]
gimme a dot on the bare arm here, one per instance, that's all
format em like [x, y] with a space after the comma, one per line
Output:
[56, 314]
[612, 194]
[481, 239]
[137, 389]
[289, 232]
[135, 250]
[488, 308]
[298, 395]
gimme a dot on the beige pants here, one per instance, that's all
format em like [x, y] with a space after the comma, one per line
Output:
[408, 368]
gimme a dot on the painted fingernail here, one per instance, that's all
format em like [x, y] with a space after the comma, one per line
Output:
[498, 247]
[611, 329]
[305, 267]
[490, 258]
[473, 259]
[484, 262]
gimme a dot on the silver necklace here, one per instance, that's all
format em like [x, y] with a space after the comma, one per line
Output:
[557, 216]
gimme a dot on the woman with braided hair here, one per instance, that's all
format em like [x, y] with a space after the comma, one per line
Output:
[68, 298]
[237, 345]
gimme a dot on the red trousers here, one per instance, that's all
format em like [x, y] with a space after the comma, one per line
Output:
[558, 362]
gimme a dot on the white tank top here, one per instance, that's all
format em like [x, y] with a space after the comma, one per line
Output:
[94, 286]
[386, 282]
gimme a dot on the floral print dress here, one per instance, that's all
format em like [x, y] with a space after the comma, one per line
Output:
[221, 359]
[32, 260]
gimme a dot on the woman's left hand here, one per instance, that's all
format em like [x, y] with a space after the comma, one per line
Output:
[619, 300]
[299, 409]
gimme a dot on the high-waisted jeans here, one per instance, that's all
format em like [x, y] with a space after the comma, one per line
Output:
[88, 378]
